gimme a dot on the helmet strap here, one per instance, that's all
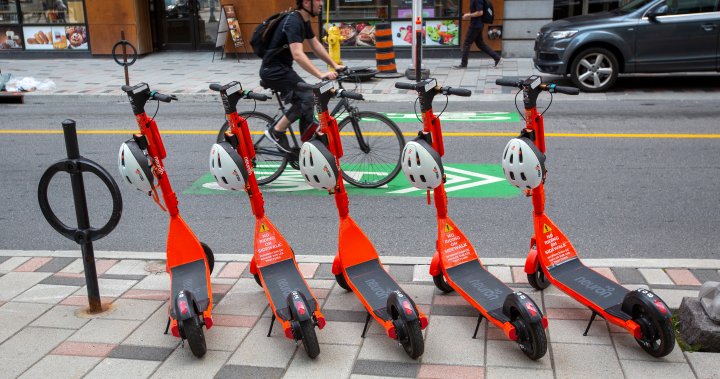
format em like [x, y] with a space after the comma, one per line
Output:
[156, 197]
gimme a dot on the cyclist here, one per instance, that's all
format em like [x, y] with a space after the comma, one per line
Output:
[277, 72]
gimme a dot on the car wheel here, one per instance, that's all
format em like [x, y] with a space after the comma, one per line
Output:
[594, 70]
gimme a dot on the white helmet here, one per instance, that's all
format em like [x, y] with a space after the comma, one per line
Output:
[422, 165]
[317, 165]
[134, 166]
[523, 163]
[227, 167]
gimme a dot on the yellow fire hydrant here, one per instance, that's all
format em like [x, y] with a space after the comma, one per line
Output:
[333, 39]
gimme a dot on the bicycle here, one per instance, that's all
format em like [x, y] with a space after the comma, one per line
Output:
[371, 158]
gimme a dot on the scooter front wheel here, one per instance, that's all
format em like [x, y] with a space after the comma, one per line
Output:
[342, 282]
[531, 338]
[410, 337]
[309, 338]
[441, 284]
[538, 280]
[195, 336]
[658, 335]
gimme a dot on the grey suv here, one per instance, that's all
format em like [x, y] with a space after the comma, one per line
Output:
[653, 36]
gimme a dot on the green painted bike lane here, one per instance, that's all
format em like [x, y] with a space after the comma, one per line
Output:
[464, 180]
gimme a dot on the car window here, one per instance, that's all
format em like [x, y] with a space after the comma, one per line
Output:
[690, 6]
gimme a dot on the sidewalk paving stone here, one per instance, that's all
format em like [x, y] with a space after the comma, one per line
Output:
[29, 346]
[63, 279]
[334, 361]
[105, 331]
[683, 277]
[308, 269]
[46, 294]
[390, 369]
[61, 316]
[159, 281]
[15, 283]
[225, 338]
[504, 273]
[83, 349]
[572, 361]
[655, 276]
[183, 364]
[705, 365]
[33, 264]
[673, 298]
[147, 294]
[245, 298]
[704, 275]
[112, 368]
[15, 316]
[12, 263]
[238, 371]
[128, 267]
[232, 270]
[60, 366]
[443, 371]
[508, 354]
[628, 275]
[628, 349]
[146, 353]
[449, 341]
[379, 347]
[421, 273]
[571, 331]
[150, 333]
[259, 350]
[506, 372]
[110, 287]
[55, 264]
[132, 309]
[637, 369]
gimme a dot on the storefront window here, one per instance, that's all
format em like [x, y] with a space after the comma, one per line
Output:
[431, 8]
[358, 9]
[8, 12]
[52, 11]
[568, 8]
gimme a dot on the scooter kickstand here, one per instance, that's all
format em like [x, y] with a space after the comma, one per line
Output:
[477, 327]
[367, 323]
[272, 322]
[592, 318]
[167, 327]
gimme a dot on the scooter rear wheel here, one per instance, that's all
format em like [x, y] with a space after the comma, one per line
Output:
[658, 334]
[441, 284]
[195, 336]
[340, 279]
[309, 338]
[209, 256]
[410, 337]
[531, 338]
[538, 280]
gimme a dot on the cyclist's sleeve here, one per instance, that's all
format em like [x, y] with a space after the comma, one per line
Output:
[293, 28]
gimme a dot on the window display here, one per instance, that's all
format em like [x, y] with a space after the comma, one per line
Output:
[8, 12]
[10, 38]
[53, 11]
[43, 25]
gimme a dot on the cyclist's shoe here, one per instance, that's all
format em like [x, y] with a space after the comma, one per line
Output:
[279, 139]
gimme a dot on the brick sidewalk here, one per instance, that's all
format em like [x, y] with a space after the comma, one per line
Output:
[46, 334]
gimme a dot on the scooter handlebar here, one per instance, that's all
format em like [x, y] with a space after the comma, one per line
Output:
[215, 87]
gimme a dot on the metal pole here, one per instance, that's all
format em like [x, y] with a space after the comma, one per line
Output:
[124, 51]
[81, 213]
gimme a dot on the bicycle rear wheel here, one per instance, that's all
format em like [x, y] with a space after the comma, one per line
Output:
[372, 158]
[269, 162]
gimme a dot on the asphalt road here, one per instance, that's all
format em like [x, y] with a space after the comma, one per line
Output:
[613, 197]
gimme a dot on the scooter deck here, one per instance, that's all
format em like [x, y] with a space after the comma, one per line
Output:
[592, 286]
[488, 291]
[191, 277]
[374, 284]
[282, 278]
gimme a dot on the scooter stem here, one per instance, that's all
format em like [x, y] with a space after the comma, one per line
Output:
[149, 129]
[238, 126]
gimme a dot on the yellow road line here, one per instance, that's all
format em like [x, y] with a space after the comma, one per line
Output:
[388, 134]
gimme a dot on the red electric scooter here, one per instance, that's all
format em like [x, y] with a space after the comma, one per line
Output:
[455, 265]
[273, 264]
[553, 260]
[357, 266]
[189, 262]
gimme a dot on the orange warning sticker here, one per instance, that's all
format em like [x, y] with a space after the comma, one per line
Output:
[553, 245]
[270, 246]
[454, 247]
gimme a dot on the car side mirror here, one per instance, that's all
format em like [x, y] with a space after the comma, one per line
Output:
[659, 11]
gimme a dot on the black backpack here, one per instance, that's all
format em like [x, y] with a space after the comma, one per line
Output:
[488, 16]
[264, 33]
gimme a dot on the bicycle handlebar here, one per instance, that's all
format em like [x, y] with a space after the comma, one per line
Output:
[256, 96]
[350, 95]
[456, 91]
[403, 85]
[552, 88]
[164, 98]
[562, 89]
[508, 82]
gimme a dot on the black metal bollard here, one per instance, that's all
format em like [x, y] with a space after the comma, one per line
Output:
[84, 234]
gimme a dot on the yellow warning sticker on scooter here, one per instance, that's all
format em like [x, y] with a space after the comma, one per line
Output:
[264, 228]
[448, 228]
[546, 229]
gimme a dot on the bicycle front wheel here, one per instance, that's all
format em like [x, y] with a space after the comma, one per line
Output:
[372, 144]
[269, 162]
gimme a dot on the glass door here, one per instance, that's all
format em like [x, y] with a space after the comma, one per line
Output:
[188, 24]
